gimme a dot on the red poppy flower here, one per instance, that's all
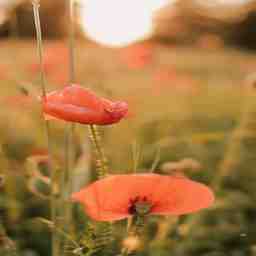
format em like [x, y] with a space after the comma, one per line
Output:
[120, 196]
[77, 104]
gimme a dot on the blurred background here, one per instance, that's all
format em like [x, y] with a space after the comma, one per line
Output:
[169, 21]
[186, 69]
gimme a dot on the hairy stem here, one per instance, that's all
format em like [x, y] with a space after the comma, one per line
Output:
[137, 226]
[53, 200]
[135, 230]
[102, 164]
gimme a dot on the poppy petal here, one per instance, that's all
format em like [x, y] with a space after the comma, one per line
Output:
[181, 196]
[71, 113]
[101, 201]
[80, 96]
[111, 198]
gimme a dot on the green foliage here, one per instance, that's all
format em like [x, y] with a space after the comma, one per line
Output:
[97, 239]
[208, 126]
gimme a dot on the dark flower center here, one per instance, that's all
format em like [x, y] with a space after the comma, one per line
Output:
[139, 206]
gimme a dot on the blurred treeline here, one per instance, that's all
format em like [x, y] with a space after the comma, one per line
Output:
[19, 18]
[230, 22]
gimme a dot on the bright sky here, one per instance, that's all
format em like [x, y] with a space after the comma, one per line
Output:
[117, 23]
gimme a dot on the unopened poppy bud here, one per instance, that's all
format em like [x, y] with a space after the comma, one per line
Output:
[169, 167]
[81, 105]
[192, 164]
[183, 165]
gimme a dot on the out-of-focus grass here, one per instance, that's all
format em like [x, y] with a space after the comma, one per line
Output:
[193, 115]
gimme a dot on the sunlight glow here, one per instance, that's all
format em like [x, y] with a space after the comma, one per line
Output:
[117, 23]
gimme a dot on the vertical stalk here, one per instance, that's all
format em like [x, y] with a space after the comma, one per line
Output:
[67, 179]
[102, 163]
[71, 41]
[135, 229]
[124, 252]
[70, 128]
[53, 201]
[234, 144]
[14, 25]
[136, 155]
[36, 6]
[102, 168]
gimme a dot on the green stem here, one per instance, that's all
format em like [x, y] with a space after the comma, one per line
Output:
[137, 226]
[135, 230]
[136, 153]
[124, 252]
[67, 182]
[69, 159]
[53, 200]
[36, 7]
[102, 164]
[72, 41]
[7, 245]
[14, 25]
[234, 145]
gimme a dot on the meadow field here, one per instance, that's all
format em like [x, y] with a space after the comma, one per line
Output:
[191, 111]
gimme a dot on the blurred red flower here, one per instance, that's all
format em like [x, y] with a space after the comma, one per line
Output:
[56, 64]
[19, 101]
[120, 196]
[81, 105]
[169, 78]
[137, 56]
[166, 75]
[4, 72]
[39, 152]
[210, 42]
